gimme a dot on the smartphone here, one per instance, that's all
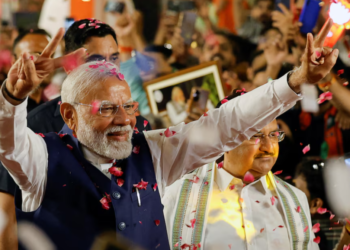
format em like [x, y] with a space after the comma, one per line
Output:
[68, 22]
[199, 100]
[284, 2]
[309, 15]
[112, 6]
[188, 21]
[144, 63]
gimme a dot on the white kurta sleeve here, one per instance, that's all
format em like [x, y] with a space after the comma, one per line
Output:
[23, 153]
[203, 141]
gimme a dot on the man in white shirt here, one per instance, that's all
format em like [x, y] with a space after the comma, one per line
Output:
[225, 207]
[64, 178]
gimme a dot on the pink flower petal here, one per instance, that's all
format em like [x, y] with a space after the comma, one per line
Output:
[140, 222]
[224, 101]
[195, 179]
[306, 228]
[108, 197]
[316, 228]
[345, 83]
[229, 246]
[248, 177]
[272, 200]
[317, 240]
[41, 134]
[176, 244]
[257, 201]
[298, 209]
[120, 182]
[321, 210]
[280, 226]
[306, 149]
[121, 76]
[155, 187]
[205, 114]
[93, 66]
[157, 222]
[95, 107]
[115, 171]
[288, 177]
[145, 122]
[92, 24]
[262, 230]
[331, 216]
[241, 200]
[141, 185]
[206, 183]
[168, 133]
[257, 141]
[278, 172]
[97, 26]
[232, 187]
[184, 246]
[65, 185]
[221, 164]
[82, 26]
[340, 72]
[193, 221]
[70, 147]
[136, 150]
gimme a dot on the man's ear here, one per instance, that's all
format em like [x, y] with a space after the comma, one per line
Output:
[315, 204]
[70, 116]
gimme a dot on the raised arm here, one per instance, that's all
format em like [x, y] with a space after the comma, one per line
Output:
[23, 153]
[223, 129]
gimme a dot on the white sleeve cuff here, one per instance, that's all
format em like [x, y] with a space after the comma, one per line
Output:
[283, 91]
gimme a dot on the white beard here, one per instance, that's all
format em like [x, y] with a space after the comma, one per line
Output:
[99, 143]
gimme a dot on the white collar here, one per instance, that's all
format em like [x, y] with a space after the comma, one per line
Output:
[223, 179]
[98, 161]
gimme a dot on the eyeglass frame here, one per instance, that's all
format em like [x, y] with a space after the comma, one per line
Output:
[262, 136]
[115, 107]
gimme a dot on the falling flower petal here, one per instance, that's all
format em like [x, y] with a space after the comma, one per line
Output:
[248, 177]
[317, 240]
[232, 187]
[168, 133]
[82, 26]
[278, 172]
[141, 185]
[92, 24]
[136, 150]
[331, 216]
[318, 54]
[59, 103]
[70, 147]
[176, 244]
[65, 185]
[161, 134]
[272, 200]
[230, 245]
[105, 203]
[93, 66]
[41, 134]
[306, 149]
[97, 26]
[140, 222]
[280, 226]
[206, 183]
[108, 197]
[184, 246]
[321, 210]
[224, 101]
[325, 97]
[195, 179]
[288, 177]
[120, 182]
[205, 114]
[115, 171]
[72, 61]
[145, 122]
[121, 76]
[316, 228]
[257, 201]
[257, 141]
[298, 209]
[95, 107]
[345, 83]
[306, 228]
[262, 230]
[193, 221]
[157, 222]
[221, 164]
[340, 72]
[155, 187]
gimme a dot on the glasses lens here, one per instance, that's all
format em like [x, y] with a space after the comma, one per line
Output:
[107, 109]
[131, 108]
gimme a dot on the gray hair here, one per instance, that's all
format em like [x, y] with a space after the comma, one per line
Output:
[84, 79]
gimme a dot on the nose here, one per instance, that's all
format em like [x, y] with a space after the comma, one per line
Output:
[266, 145]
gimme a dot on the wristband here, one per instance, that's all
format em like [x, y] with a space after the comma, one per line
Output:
[123, 49]
[11, 96]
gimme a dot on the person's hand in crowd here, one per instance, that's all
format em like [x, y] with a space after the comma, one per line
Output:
[317, 60]
[178, 44]
[283, 21]
[29, 71]
[343, 120]
[276, 52]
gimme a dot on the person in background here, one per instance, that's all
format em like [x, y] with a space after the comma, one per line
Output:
[176, 108]
[33, 42]
[221, 206]
[309, 179]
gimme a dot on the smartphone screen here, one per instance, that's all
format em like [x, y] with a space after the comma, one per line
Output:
[188, 25]
[309, 15]
[115, 7]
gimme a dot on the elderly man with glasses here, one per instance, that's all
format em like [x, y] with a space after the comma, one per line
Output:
[239, 203]
[103, 174]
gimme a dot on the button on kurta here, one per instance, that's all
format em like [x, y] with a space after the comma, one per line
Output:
[116, 195]
[121, 226]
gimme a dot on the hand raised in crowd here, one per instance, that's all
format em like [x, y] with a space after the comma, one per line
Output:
[343, 120]
[29, 71]
[178, 43]
[317, 60]
[284, 22]
[276, 52]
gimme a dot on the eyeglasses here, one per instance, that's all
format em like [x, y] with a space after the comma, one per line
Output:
[108, 109]
[275, 136]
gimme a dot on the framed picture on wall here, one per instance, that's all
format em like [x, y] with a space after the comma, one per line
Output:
[168, 95]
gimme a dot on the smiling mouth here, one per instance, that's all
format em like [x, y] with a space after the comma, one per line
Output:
[119, 136]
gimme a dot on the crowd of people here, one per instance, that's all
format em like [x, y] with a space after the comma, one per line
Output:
[87, 163]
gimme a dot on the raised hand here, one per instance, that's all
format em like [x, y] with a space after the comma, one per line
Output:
[29, 71]
[317, 60]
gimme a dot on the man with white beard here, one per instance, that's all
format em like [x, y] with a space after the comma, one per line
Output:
[103, 177]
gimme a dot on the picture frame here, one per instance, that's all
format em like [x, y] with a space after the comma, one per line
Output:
[160, 91]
